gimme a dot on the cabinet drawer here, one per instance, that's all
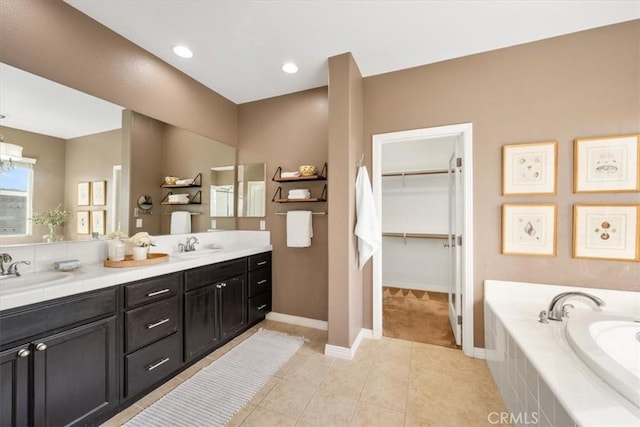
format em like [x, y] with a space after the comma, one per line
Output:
[151, 364]
[31, 321]
[260, 261]
[259, 280]
[151, 322]
[209, 274]
[259, 306]
[150, 290]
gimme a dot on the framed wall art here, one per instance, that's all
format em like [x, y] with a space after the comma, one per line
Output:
[529, 229]
[606, 232]
[83, 193]
[82, 222]
[97, 222]
[530, 168]
[606, 164]
[99, 193]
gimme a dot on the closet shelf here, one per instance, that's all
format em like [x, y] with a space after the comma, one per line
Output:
[419, 172]
[417, 235]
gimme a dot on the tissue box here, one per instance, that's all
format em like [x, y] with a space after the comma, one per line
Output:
[68, 265]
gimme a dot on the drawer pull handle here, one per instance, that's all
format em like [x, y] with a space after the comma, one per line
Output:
[160, 292]
[153, 325]
[155, 365]
[219, 286]
[262, 306]
[41, 346]
[23, 353]
[262, 282]
[262, 263]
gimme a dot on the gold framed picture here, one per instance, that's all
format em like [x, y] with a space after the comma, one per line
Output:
[83, 193]
[530, 168]
[529, 229]
[608, 232]
[98, 193]
[82, 222]
[606, 164]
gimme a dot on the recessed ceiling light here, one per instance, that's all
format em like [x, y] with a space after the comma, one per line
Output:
[290, 68]
[182, 51]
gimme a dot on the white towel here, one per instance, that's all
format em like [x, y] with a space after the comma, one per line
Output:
[367, 225]
[180, 222]
[289, 174]
[299, 229]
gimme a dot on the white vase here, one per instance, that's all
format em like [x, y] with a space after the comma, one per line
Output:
[116, 250]
[140, 252]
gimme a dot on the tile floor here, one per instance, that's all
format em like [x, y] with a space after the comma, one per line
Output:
[390, 382]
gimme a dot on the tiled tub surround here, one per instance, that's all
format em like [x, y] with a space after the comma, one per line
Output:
[541, 379]
[93, 275]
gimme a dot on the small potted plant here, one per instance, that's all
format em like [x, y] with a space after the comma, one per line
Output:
[52, 219]
[141, 242]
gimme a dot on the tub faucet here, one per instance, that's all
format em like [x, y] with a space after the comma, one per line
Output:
[558, 309]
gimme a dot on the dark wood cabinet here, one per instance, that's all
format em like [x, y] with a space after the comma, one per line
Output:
[64, 374]
[232, 307]
[259, 301]
[200, 321]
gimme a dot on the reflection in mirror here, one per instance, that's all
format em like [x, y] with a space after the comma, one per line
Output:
[221, 193]
[133, 159]
[251, 190]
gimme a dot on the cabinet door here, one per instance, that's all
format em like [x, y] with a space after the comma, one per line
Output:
[200, 323]
[233, 306]
[74, 374]
[14, 386]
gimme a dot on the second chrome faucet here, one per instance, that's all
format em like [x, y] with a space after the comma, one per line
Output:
[558, 307]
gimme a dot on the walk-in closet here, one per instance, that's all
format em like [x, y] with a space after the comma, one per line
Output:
[419, 200]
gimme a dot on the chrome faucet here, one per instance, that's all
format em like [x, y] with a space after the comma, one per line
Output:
[13, 267]
[192, 241]
[558, 309]
[4, 258]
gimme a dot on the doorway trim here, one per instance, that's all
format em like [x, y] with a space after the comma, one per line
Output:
[465, 131]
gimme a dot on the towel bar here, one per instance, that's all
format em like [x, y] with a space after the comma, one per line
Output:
[313, 213]
[190, 213]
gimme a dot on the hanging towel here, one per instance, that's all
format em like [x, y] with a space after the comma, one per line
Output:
[367, 226]
[299, 229]
[180, 222]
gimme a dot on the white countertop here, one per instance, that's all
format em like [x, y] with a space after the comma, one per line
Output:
[95, 276]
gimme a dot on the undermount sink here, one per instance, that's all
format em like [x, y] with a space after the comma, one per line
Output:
[29, 280]
[198, 253]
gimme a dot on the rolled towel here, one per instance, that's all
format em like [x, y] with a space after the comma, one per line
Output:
[184, 181]
[295, 174]
[299, 192]
[295, 197]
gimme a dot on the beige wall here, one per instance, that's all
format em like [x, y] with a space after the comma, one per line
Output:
[90, 158]
[345, 149]
[56, 41]
[579, 85]
[48, 176]
[289, 131]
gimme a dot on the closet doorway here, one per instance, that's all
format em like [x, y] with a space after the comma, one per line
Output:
[422, 281]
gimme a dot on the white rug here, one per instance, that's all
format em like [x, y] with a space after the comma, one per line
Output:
[214, 394]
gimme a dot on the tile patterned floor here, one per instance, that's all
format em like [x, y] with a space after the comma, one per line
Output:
[390, 382]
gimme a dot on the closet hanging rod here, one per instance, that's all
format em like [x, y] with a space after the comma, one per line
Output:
[417, 235]
[431, 172]
[312, 213]
[190, 213]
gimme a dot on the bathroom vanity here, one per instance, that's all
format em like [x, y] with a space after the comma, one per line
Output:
[81, 358]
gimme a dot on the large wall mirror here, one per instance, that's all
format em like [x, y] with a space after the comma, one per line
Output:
[126, 159]
[251, 190]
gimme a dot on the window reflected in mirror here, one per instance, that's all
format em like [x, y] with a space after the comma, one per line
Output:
[222, 192]
[251, 190]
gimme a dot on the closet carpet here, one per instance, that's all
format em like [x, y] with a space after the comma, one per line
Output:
[418, 316]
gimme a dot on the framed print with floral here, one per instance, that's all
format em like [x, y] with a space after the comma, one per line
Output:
[83, 193]
[529, 229]
[82, 222]
[530, 168]
[99, 193]
[608, 163]
[97, 222]
[606, 232]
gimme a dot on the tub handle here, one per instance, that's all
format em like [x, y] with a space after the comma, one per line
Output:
[543, 316]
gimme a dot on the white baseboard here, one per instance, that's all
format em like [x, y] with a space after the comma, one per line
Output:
[297, 320]
[479, 353]
[348, 352]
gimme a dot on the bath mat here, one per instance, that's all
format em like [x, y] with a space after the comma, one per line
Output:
[214, 394]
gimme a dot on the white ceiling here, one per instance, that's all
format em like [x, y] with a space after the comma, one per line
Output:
[240, 45]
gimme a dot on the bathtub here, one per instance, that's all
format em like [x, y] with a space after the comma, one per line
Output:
[610, 346]
[550, 374]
